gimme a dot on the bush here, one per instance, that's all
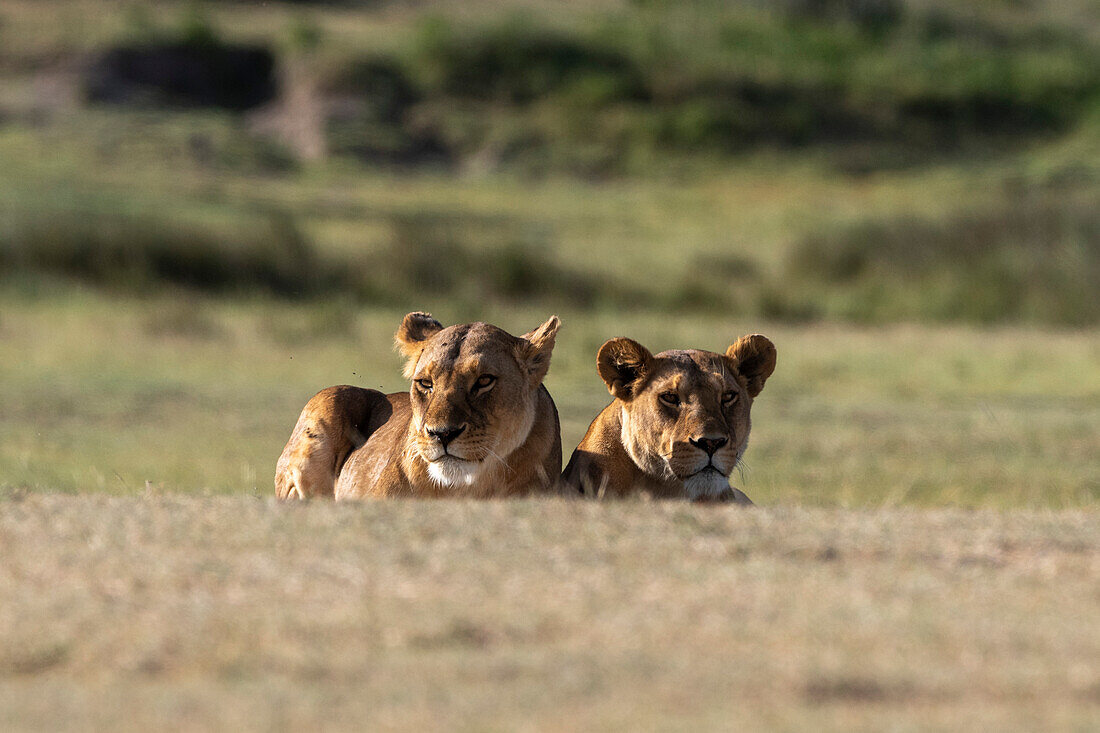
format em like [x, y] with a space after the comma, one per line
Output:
[1035, 258]
[369, 104]
[856, 72]
[266, 252]
[518, 63]
[875, 16]
[462, 257]
[182, 74]
[190, 66]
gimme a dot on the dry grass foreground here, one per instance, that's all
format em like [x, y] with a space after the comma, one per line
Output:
[237, 613]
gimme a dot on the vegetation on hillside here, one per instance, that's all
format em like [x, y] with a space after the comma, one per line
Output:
[636, 84]
[289, 104]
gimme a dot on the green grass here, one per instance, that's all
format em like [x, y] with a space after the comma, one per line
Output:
[147, 377]
[1034, 258]
[927, 227]
[236, 613]
[106, 394]
[713, 240]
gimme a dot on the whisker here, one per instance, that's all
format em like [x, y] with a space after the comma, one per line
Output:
[494, 455]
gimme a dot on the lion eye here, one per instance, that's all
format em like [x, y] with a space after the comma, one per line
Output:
[729, 398]
[484, 382]
[424, 384]
[671, 399]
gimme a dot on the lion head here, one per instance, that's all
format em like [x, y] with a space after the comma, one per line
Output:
[685, 414]
[473, 393]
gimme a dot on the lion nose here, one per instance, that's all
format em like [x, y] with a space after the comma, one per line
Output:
[710, 445]
[445, 434]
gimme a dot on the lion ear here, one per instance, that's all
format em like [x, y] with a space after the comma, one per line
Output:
[535, 347]
[754, 357]
[415, 329]
[623, 364]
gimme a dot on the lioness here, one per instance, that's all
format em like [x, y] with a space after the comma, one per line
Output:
[476, 422]
[679, 422]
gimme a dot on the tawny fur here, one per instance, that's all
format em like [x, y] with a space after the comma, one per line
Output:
[354, 443]
[642, 442]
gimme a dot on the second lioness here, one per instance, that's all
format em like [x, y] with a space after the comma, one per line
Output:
[476, 422]
[679, 423]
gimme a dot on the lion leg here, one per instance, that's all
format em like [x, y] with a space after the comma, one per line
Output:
[333, 423]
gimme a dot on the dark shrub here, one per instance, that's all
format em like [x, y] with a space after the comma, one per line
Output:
[193, 73]
[519, 63]
[875, 16]
[737, 113]
[380, 83]
[368, 116]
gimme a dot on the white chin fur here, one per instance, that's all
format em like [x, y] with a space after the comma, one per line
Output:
[454, 472]
[706, 484]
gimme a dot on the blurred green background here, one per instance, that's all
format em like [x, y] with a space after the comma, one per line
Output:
[210, 210]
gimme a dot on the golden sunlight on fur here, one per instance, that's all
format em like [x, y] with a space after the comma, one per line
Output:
[678, 425]
[476, 422]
